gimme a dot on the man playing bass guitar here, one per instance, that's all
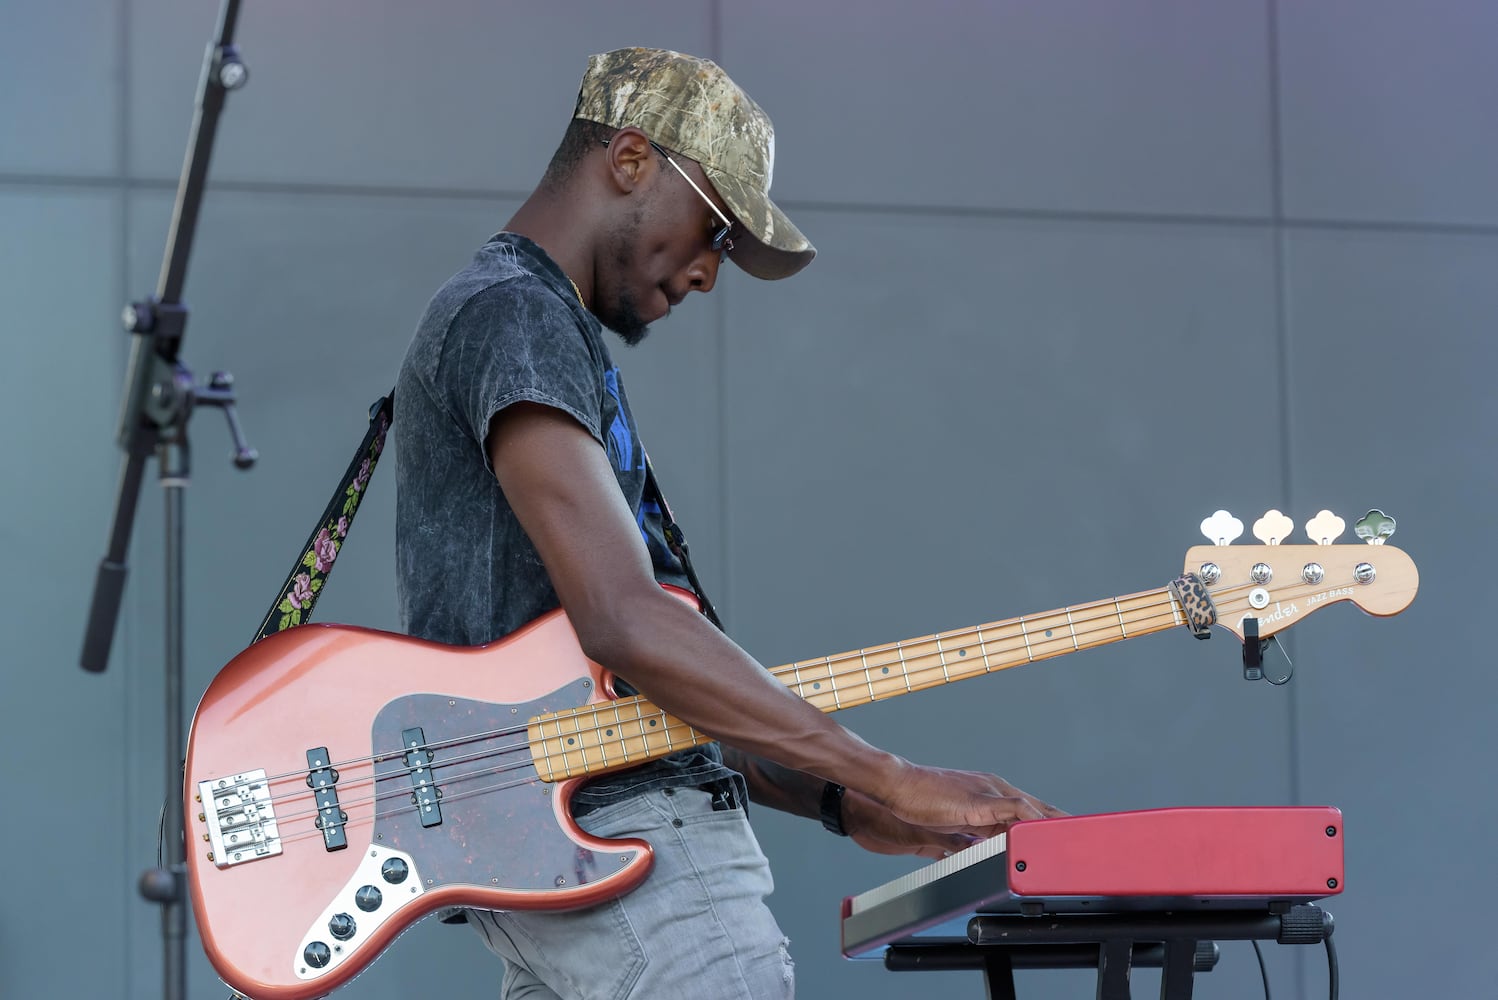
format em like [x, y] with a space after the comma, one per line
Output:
[522, 487]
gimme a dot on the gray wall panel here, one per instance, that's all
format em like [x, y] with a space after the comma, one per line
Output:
[59, 270]
[1393, 357]
[952, 421]
[1388, 110]
[60, 71]
[471, 95]
[1154, 107]
[1031, 381]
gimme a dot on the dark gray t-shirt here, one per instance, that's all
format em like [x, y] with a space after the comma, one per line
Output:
[508, 328]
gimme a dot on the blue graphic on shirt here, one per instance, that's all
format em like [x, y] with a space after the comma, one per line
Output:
[649, 508]
[627, 456]
[622, 450]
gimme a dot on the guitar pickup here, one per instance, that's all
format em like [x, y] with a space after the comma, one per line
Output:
[418, 759]
[322, 778]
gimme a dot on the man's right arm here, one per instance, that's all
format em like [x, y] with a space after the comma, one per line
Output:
[563, 491]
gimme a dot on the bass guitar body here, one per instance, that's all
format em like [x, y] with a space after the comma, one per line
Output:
[342, 783]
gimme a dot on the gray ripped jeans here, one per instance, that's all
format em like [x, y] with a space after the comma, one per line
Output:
[697, 928]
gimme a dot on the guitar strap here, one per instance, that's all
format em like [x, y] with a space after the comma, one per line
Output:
[309, 574]
[677, 543]
[298, 595]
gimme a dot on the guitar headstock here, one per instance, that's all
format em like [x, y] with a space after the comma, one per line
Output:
[1280, 584]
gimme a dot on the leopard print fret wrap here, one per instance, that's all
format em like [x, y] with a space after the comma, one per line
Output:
[1196, 603]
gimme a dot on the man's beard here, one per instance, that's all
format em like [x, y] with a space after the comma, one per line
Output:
[625, 320]
[623, 314]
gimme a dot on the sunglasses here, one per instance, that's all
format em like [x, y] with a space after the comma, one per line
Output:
[720, 240]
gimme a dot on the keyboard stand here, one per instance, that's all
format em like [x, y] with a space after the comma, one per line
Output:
[1179, 944]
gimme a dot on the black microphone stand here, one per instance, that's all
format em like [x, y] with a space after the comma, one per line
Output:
[160, 394]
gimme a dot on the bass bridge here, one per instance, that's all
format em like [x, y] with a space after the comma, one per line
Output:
[241, 822]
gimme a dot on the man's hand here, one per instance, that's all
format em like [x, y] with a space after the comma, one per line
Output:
[874, 828]
[933, 811]
[943, 801]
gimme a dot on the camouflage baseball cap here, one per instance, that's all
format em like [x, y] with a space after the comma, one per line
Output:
[690, 106]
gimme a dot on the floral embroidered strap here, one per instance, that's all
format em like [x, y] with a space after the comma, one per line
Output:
[293, 605]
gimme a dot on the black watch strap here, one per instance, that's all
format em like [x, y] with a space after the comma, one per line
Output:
[832, 808]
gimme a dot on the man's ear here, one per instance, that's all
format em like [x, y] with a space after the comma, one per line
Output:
[630, 159]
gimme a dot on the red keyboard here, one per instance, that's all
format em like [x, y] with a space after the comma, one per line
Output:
[1154, 860]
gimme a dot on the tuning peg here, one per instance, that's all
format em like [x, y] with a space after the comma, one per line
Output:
[1325, 528]
[1273, 527]
[1374, 527]
[1222, 528]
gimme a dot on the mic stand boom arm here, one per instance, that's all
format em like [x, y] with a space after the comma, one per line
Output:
[158, 400]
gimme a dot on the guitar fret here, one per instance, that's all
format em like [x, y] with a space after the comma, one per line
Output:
[641, 720]
[809, 687]
[561, 744]
[832, 683]
[868, 678]
[621, 739]
[904, 667]
[577, 735]
[646, 731]
[1119, 611]
[1071, 627]
[548, 742]
[950, 654]
[1025, 634]
[640, 727]
[941, 655]
[602, 738]
[580, 734]
[544, 756]
[637, 725]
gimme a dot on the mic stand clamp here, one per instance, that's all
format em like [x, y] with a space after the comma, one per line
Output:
[170, 392]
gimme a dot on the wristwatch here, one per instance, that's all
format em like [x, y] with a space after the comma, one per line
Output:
[832, 808]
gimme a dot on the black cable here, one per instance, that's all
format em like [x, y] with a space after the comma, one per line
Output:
[1263, 972]
[1331, 966]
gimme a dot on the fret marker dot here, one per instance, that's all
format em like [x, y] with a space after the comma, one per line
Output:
[652, 723]
[885, 670]
[817, 686]
[570, 741]
[962, 652]
[1047, 633]
[608, 732]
